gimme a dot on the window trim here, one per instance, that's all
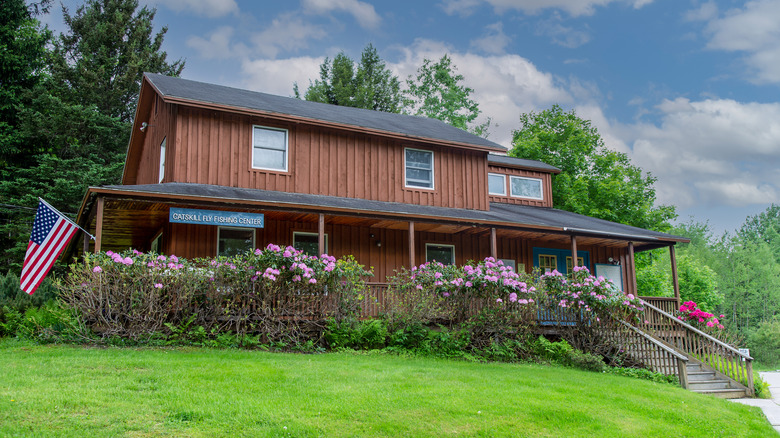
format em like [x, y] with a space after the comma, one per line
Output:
[254, 235]
[433, 173]
[439, 244]
[541, 187]
[286, 147]
[309, 233]
[503, 177]
[163, 146]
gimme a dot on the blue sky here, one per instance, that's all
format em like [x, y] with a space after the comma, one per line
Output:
[688, 89]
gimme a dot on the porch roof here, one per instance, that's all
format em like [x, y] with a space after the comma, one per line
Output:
[503, 216]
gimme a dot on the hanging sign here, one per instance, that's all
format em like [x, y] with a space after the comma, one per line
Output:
[214, 217]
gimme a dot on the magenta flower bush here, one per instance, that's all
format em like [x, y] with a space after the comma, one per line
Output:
[589, 294]
[134, 293]
[691, 313]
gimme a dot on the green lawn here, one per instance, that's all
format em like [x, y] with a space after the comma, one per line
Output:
[75, 391]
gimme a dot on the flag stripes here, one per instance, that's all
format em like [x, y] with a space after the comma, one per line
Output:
[51, 233]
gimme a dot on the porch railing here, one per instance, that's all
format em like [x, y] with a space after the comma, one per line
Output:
[698, 345]
[667, 304]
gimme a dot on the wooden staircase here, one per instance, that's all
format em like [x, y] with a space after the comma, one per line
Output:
[702, 363]
[705, 380]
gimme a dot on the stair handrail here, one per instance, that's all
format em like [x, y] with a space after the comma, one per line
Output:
[695, 330]
[655, 341]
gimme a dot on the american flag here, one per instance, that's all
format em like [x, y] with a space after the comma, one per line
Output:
[50, 234]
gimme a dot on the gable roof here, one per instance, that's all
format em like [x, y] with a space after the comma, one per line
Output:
[414, 127]
[521, 163]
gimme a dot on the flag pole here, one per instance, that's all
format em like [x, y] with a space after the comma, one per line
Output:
[68, 219]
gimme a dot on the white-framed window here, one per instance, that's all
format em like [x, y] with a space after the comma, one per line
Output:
[522, 187]
[444, 254]
[309, 243]
[233, 240]
[162, 160]
[419, 168]
[497, 184]
[269, 148]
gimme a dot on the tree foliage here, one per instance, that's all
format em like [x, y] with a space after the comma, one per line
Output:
[102, 57]
[22, 62]
[594, 180]
[72, 124]
[369, 85]
[437, 91]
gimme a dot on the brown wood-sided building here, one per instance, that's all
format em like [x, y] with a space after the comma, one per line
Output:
[213, 170]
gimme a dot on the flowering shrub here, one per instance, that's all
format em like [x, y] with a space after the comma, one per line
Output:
[134, 293]
[592, 295]
[691, 313]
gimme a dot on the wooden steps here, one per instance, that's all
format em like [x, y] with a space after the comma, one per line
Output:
[705, 380]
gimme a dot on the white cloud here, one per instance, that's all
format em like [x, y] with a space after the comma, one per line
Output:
[217, 45]
[287, 32]
[706, 12]
[710, 152]
[572, 7]
[364, 13]
[504, 85]
[560, 34]
[494, 41]
[754, 31]
[276, 76]
[205, 8]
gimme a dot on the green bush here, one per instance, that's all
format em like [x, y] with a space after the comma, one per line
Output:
[359, 335]
[765, 342]
[14, 302]
[564, 354]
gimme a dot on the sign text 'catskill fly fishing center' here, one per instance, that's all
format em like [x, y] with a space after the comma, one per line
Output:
[213, 217]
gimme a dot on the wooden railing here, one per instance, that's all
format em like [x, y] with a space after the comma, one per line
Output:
[698, 345]
[650, 351]
[667, 304]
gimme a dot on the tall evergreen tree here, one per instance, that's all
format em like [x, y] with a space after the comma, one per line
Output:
[76, 121]
[101, 58]
[369, 85]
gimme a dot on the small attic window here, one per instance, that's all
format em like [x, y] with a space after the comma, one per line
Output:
[497, 184]
[522, 187]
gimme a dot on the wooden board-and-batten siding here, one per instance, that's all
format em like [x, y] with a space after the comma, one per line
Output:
[393, 253]
[214, 147]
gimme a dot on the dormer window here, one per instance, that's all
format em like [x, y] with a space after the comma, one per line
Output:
[522, 187]
[497, 184]
[269, 148]
[419, 168]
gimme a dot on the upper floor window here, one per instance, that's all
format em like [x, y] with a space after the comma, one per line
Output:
[269, 148]
[419, 168]
[162, 160]
[497, 184]
[522, 187]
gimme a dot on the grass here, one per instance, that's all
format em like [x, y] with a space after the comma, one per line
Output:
[74, 391]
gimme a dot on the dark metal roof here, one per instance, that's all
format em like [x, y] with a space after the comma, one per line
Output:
[503, 160]
[406, 125]
[521, 216]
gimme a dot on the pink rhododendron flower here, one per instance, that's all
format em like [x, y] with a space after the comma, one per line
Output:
[158, 285]
[97, 269]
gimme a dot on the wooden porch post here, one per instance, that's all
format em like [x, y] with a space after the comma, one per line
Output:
[411, 244]
[321, 235]
[493, 244]
[632, 265]
[574, 251]
[675, 279]
[101, 202]
[85, 243]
